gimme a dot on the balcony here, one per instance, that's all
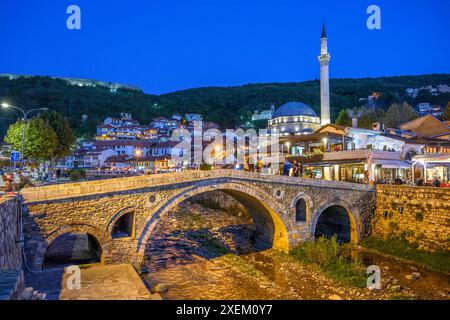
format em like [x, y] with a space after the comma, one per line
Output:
[361, 154]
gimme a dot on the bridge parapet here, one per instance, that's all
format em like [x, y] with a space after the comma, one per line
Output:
[79, 189]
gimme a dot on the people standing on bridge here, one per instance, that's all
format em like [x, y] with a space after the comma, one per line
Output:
[420, 182]
[287, 168]
[436, 182]
[296, 169]
[398, 181]
[259, 165]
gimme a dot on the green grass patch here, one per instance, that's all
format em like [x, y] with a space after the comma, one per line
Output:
[438, 261]
[332, 258]
[240, 263]
[190, 219]
[211, 243]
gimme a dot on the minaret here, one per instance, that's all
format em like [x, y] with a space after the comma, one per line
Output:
[324, 59]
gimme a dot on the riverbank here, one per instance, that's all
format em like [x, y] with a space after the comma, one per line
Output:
[438, 261]
[205, 253]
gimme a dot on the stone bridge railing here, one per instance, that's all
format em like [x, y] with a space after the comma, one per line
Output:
[73, 190]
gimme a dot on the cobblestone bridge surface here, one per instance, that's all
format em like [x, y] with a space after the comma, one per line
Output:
[136, 204]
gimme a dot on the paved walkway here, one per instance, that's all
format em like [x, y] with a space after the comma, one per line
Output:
[98, 282]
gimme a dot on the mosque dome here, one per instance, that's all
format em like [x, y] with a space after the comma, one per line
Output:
[293, 109]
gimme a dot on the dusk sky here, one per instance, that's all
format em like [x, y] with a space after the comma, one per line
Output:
[166, 45]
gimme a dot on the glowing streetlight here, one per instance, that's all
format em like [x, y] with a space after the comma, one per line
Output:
[325, 144]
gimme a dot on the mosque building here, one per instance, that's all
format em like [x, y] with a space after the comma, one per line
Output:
[297, 118]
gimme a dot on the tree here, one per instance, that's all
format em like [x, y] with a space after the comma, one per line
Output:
[398, 114]
[446, 115]
[40, 139]
[344, 119]
[64, 134]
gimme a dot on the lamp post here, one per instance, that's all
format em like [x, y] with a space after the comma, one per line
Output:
[138, 152]
[25, 115]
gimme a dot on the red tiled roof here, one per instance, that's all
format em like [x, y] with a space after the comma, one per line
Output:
[166, 144]
[121, 158]
[149, 158]
[123, 143]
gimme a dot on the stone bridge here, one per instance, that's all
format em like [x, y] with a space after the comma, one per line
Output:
[120, 214]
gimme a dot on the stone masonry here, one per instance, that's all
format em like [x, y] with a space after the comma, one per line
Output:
[11, 275]
[94, 207]
[417, 214]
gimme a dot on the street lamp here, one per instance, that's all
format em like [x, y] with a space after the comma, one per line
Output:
[138, 152]
[25, 115]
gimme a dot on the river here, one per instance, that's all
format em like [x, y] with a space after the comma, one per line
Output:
[202, 253]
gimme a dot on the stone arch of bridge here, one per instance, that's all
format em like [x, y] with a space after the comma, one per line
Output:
[92, 231]
[309, 204]
[265, 211]
[115, 218]
[351, 212]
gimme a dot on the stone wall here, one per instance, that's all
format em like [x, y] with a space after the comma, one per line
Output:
[418, 214]
[11, 275]
[10, 253]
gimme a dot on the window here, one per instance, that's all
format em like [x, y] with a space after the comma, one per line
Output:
[123, 227]
[300, 211]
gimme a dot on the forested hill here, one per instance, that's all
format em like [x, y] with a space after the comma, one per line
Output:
[228, 106]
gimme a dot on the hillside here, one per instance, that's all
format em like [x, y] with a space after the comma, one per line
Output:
[228, 106]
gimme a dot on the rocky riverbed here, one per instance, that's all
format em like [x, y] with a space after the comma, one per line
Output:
[199, 251]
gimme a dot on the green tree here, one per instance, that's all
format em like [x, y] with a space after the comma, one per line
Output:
[398, 114]
[64, 134]
[40, 139]
[343, 118]
[446, 115]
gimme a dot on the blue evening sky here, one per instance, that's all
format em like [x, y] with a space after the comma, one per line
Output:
[167, 45]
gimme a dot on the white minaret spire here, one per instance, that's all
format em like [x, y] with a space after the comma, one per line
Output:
[324, 59]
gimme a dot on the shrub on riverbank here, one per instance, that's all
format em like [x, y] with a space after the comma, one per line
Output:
[438, 261]
[330, 257]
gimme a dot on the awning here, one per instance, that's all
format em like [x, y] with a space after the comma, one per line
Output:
[435, 158]
[392, 164]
